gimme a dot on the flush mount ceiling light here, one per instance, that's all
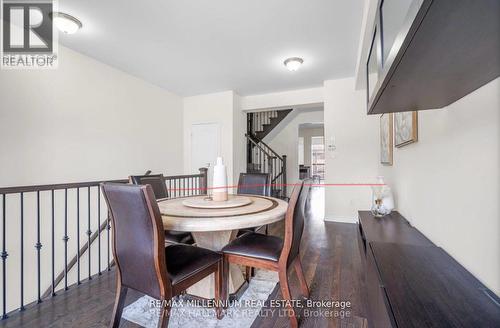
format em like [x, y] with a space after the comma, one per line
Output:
[293, 63]
[66, 23]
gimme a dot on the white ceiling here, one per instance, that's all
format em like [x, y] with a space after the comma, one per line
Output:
[193, 47]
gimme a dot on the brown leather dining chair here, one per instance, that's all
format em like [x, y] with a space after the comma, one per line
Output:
[254, 184]
[273, 253]
[157, 182]
[143, 262]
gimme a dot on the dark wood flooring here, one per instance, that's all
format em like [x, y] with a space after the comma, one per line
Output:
[332, 267]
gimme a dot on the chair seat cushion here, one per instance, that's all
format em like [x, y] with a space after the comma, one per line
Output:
[178, 237]
[256, 245]
[185, 260]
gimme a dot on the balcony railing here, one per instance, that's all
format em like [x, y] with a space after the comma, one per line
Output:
[69, 217]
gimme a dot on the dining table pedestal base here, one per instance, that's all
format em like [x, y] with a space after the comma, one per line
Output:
[215, 241]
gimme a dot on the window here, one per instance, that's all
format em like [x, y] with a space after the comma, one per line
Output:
[318, 156]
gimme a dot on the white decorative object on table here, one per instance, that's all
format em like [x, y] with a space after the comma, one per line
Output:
[219, 185]
[382, 198]
[203, 202]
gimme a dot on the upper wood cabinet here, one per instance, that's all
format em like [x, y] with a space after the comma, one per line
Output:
[426, 54]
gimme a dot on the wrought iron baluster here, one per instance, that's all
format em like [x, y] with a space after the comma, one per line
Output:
[89, 232]
[78, 236]
[108, 228]
[4, 260]
[53, 242]
[38, 244]
[260, 160]
[21, 307]
[99, 229]
[65, 239]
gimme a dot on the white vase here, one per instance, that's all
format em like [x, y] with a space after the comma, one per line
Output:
[219, 184]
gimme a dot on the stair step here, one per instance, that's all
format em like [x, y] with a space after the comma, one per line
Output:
[267, 121]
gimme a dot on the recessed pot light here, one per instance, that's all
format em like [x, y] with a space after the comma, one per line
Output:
[66, 23]
[293, 63]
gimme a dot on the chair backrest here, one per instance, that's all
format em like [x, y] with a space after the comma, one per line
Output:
[254, 184]
[138, 238]
[294, 222]
[157, 182]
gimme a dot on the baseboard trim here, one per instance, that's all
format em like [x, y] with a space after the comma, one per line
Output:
[341, 219]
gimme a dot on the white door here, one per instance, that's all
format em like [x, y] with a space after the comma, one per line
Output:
[205, 145]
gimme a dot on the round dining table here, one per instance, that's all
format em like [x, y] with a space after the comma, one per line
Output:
[215, 224]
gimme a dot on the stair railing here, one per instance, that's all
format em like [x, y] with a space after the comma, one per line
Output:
[40, 213]
[263, 159]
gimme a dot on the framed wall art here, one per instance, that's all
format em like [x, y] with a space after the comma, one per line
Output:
[405, 128]
[386, 137]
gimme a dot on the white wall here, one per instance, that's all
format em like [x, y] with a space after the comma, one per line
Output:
[239, 139]
[312, 97]
[84, 121]
[355, 137]
[221, 108]
[284, 139]
[448, 183]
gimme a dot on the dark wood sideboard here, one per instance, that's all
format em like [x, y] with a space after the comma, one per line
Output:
[413, 283]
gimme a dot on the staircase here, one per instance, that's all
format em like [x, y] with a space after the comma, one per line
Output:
[260, 157]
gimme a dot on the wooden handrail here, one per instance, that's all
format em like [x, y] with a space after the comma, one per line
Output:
[272, 150]
[59, 186]
[74, 185]
[185, 176]
[259, 146]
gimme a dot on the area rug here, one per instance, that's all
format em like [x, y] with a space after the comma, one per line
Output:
[186, 314]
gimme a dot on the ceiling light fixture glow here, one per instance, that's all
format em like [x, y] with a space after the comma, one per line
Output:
[293, 63]
[66, 23]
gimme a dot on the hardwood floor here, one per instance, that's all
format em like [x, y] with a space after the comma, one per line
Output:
[331, 263]
[332, 267]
